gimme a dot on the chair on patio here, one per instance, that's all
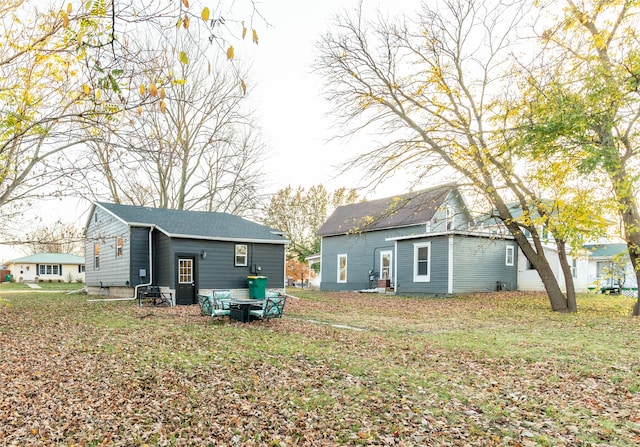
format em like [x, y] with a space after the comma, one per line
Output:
[223, 297]
[211, 306]
[273, 308]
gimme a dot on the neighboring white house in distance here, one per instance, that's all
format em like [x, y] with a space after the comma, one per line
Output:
[529, 279]
[47, 266]
[610, 268]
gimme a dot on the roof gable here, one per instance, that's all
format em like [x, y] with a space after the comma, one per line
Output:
[194, 224]
[399, 211]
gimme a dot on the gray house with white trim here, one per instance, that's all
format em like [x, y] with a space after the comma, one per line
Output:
[188, 252]
[421, 243]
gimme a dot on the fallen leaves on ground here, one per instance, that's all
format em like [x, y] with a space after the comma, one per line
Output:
[89, 374]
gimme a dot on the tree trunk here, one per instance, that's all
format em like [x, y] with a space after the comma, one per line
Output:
[534, 251]
[538, 260]
[635, 262]
[630, 216]
[572, 305]
[631, 220]
[556, 298]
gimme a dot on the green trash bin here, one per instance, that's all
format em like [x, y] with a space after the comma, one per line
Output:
[8, 277]
[257, 287]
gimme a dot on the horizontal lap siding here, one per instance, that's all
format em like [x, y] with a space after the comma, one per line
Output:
[218, 271]
[439, 267]
[139, 255]
[112, 271]
[271, 258]
[480, 262]
[363, 254]
[163, 270]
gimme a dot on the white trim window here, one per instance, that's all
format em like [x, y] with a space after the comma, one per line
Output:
[509, 258]
[385, 264]
[185, 271]
[422, 262]
[119, 246]
[96, 256]
[451, 215]
[342, 268]
[574, 268]
[241, 255]
[49, 269]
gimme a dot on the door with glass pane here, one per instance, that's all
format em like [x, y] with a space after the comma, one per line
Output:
[385, 264]
[186, 282]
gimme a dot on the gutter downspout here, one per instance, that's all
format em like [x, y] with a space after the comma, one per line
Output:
[135, 290]
[395, 266]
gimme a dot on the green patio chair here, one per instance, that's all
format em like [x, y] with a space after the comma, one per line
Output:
[223, 297]
[211, 306]
[206, 306]
[221, 307]
[273, 308]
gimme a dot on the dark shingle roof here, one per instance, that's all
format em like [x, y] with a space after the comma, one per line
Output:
[398, 211]
[195, 224]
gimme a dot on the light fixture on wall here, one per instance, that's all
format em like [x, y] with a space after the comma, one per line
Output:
[203, 254]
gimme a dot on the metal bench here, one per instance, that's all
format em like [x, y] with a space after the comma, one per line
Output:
[156, 295]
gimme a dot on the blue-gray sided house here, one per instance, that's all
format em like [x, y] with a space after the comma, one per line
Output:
[422, 243]
[187, 252]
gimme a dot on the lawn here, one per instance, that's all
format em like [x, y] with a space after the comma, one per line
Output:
[338, 369]
[44, 285]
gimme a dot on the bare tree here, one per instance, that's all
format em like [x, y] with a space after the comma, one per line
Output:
[433, 90]
[199, 150]
[300, 213]
[67, 68]
[55, 238]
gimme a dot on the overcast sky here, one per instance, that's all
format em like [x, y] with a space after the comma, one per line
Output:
[289, 96]
[288, 102]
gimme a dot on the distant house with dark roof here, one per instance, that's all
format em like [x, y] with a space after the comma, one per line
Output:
[47, 267]
[417, 243]
[188, 252]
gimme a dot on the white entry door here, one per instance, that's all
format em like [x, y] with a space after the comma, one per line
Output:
[385, 264]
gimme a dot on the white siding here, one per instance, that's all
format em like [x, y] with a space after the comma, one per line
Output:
[28, 272]
[529, 280]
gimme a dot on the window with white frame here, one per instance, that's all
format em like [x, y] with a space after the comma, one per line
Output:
[510, 255]
[574, 268]
[241, 255]
[49, 269]
[119, 245]
[342, 268]
[96, 256]
[185, 271]
[450, 218]
[385, 264]
[422, 262]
